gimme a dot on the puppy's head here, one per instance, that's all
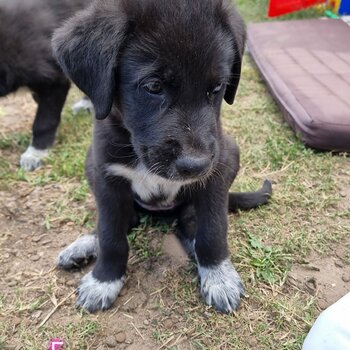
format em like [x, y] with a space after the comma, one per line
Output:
[167, 66]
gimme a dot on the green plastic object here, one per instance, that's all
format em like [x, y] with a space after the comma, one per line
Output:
[330, 14]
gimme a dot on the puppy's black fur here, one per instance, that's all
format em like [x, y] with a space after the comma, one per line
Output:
[26, 60]
[157, 72]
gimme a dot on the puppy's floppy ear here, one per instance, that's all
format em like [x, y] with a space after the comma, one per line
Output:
[87, 48]
[238, 33]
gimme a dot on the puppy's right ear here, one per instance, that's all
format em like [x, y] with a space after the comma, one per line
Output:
[87, 47]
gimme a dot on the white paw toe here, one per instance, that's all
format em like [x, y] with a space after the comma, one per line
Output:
[84, 105]
[33, 158]
[79, 253]
[94, 295]
[221, 286]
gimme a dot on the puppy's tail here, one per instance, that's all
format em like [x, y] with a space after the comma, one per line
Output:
[250, 200]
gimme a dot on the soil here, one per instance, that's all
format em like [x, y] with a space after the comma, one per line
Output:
[16, 112]
[327, 277]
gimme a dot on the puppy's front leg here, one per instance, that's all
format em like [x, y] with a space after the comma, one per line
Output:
[100, 288]
[50, 98]
[221, 285]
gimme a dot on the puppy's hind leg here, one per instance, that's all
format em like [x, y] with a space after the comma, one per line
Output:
[79, 253]
[187, 228]
[50, 98]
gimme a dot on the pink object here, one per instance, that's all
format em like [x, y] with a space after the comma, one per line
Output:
[56, 344]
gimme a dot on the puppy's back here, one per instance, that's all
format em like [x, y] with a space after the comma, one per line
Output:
[25, 34]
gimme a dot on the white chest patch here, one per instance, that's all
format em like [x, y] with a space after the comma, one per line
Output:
[147, 185]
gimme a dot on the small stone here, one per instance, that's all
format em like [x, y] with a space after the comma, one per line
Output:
[131, 305]
[146, 322]
[339, 263]
[168, 323]
[120, 337]
[154, 322]
[148, 265]
[36, 239]
[311, 284]
[123, 292]
[47, 241]
[36, 314]
[323, 304]
[253, 343]
[16, 321]
[111, 342]
[6, 256]
[13, 283]
[346, 277]
[71, 283]
[35, 257]
[26, 274]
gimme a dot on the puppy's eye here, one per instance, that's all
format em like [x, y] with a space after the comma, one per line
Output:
[153, 87]
[218, 88]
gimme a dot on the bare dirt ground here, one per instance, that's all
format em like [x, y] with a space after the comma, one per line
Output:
[37, 300]
[328, 277]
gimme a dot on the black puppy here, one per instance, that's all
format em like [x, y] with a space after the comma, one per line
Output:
[157, 72]
[26, 60]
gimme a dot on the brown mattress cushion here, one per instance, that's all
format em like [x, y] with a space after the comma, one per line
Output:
[306, 65]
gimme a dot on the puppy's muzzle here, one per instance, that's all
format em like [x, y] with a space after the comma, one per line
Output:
[192, 166]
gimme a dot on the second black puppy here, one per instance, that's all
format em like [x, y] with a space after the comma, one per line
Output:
[26, 60]
[157, 72]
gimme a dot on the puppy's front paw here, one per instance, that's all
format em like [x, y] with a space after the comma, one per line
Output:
[33, 158]
[94, 295]
[79, 253]
[221, 286]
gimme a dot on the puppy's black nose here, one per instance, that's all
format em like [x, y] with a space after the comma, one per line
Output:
[191, 166]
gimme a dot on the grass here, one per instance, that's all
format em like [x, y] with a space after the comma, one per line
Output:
[142, 237]
[256, 11]
[305, 215]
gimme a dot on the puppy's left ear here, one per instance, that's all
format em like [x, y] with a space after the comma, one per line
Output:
[238, 33]
[87, 47]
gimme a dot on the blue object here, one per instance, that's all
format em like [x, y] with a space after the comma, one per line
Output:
[344, 8]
